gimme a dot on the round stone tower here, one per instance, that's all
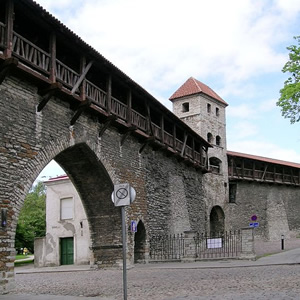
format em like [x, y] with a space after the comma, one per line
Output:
[204, 111]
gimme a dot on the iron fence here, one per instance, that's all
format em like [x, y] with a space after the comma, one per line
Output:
[200, 246]
[218, 245]
[167, 247]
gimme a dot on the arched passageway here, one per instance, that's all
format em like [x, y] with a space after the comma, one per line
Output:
[95, 186]
[217, 221]
[140, 243]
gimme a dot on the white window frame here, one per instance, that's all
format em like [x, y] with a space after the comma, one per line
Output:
[66, 212]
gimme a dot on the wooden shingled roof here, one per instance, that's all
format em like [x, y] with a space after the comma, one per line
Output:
[192, 87]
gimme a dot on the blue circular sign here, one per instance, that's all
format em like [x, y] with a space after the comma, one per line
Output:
[254, 218]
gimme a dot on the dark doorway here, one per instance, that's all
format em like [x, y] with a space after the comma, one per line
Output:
[139, 243]
[217, 220]
[66, 251]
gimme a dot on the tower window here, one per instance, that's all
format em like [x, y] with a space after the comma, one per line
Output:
[208, 108]
[217, 111]
[185, 107]
[218, 140]
[209, 137]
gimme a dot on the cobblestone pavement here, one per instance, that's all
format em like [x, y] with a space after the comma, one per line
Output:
[259, 282]
[273, 277]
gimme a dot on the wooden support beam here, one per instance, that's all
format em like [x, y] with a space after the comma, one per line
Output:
[52, 50]
[108, 94]
[107, 123]
[81, 108]
[292, 179]
[174, 136]
[184, 144]
[82, 77]
[149, 123]
[127, 134]
[231, 168]
[147, 142]
[243, 168]
[48, 93]
[129, 107]
[264, 173]
[236, 169]
[7, 66]
[162, 128]
[9, 20]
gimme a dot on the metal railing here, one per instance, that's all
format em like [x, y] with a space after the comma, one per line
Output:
[218, 245]
[201, 246]
[167, 247]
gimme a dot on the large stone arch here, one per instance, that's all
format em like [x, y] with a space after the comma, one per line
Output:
[95, 186]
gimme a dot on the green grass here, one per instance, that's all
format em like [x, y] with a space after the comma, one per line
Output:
[20, 263]
[21, 256]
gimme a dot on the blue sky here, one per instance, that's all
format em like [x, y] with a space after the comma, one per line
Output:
[237, 47]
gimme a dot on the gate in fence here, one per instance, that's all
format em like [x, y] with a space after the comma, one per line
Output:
[197, 246]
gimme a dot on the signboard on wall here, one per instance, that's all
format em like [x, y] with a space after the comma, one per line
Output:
[214, 243]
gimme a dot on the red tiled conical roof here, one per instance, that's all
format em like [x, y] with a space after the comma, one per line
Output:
[193, 86]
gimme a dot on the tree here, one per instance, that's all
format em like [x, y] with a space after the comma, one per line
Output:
[32, 218]
[290, 93]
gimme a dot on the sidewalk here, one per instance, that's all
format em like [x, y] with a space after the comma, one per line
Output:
[285, 257]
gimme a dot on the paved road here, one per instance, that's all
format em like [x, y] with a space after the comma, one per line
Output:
[272, 277]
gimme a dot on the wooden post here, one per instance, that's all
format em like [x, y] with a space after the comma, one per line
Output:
[109, 82]
[193, 149]
[231, 175]
[149, 125]
[174, 137]
[243, 168]
[52, 51]
[9, 19]
[83, 85]
[129, 105]
[162, 127]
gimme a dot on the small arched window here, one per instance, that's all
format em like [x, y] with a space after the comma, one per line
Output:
[217, 111]
[218, 140]
[209, 137]
[185, 107]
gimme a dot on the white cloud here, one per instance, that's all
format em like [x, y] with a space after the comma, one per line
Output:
[162, 43]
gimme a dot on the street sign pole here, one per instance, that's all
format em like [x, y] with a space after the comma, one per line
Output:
[124, 253]
[123, 195]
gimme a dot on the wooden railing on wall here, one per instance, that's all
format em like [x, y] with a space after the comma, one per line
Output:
[52, 69]
[276, 175]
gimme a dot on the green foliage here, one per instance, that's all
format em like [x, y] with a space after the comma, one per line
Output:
[32, 218]
[290, 93]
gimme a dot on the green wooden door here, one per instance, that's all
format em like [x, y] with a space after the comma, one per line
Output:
[66, 251]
